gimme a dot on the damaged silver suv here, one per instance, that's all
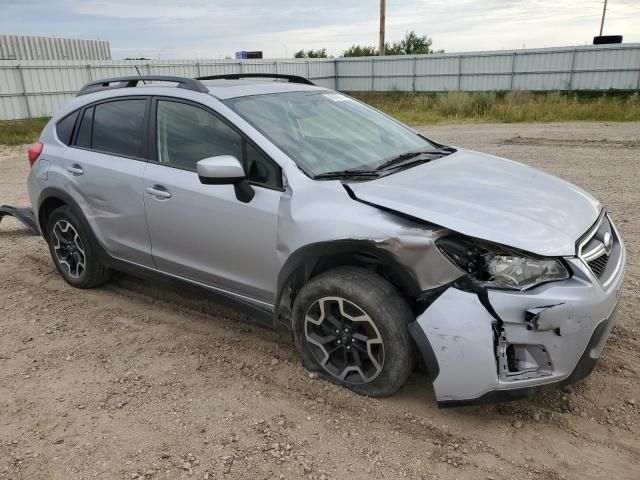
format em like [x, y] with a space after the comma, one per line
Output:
[375, 246]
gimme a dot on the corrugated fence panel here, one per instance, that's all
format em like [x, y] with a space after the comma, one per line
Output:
[437, 73]
[355, 74]
[10, 81]
[13, 107]
[393, 73]
[48, 83]
[322, 73]
[47, 105]
[19, 47]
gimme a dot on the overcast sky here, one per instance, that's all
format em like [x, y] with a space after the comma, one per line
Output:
[216, 28]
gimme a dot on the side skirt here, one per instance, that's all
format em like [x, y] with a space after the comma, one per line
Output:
[261, 312]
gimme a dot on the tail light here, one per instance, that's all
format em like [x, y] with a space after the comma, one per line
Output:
[34, 152]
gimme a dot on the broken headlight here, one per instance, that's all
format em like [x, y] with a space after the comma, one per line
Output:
[498, 267]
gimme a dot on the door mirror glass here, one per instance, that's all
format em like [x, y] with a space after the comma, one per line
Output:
[220, 170]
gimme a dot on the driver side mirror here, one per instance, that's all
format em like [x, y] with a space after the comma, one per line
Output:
[226, 170]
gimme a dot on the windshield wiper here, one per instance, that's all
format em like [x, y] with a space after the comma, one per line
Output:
[350, 173]
[400, 159]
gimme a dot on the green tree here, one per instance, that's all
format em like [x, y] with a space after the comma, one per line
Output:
[320, 53]
[360, 51]
[411, 44]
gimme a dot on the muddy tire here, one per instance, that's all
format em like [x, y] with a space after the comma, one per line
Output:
[73, 250]
[350, 326]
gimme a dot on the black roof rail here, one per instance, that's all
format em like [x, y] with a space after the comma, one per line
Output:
[238, 76]
[125, 82]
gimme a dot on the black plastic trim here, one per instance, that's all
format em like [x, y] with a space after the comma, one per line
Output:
[129, 82]
[423, 344]
[263, 316]
[24, 215]
[238, 76]
[311, 254]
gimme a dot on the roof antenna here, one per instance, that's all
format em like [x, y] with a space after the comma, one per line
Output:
[139, 74]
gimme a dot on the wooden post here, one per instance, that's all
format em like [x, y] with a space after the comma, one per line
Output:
[382, 28]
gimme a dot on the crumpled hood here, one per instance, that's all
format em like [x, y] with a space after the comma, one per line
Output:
[491, 198]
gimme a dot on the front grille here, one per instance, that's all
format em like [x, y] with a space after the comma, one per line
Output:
[600, 249]
[599, 265]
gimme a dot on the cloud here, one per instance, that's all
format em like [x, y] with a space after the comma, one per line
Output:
[138, 11]
[214, 28]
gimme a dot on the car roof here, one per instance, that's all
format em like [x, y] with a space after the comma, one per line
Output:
[225, 89]
[220, 89]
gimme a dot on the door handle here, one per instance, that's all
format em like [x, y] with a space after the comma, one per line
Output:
[158, 191]
[75, 169]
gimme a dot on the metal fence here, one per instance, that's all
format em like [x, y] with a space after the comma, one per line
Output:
[19, 47]
[37, 88]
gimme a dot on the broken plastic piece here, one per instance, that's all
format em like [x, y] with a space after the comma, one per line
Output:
[532, 317]
[25, 215]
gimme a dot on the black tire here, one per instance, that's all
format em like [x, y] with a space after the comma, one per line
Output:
[93, 273]
[383, 305]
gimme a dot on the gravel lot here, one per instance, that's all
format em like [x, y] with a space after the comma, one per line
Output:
[137, 380]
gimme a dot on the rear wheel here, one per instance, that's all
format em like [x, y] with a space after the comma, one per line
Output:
[350, 326]
[73, 252]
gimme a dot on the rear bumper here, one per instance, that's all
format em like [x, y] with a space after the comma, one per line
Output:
[474, 355]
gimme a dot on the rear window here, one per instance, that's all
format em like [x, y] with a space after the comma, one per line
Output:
[118, 127]
[64, 128]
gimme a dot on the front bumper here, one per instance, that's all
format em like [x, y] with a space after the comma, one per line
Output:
[511, 345]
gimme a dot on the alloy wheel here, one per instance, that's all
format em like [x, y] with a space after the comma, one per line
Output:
[69, 249]
[344, 340]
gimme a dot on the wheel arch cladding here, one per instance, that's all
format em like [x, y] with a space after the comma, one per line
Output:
[52, 198]
[46, 208]
[313, 259]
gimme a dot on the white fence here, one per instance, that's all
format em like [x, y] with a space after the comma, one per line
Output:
[37, 88]
[19, 48]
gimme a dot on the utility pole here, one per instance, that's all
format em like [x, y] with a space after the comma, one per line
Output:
[604, 10]
[382, 27]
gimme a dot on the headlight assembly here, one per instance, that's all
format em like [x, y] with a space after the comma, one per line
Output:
[498, 267]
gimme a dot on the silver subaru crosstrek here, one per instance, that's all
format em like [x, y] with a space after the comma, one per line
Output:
[372, 244]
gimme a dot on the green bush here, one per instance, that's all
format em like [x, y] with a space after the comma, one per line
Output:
[18, 132]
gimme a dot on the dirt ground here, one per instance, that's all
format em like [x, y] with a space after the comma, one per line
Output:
[137, 380]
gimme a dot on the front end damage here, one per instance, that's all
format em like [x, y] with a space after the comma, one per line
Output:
[485, 345]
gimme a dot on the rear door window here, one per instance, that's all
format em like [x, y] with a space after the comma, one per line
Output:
[118, 127]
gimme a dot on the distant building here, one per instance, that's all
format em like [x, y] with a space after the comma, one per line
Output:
[16, 47]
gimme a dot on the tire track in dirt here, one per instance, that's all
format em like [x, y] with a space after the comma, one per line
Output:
[137, 377]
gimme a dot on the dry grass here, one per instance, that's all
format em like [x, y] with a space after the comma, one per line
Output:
[18, 132]
[515, 106]
[423, 108]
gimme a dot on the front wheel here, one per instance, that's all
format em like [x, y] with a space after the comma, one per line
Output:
[350, 325]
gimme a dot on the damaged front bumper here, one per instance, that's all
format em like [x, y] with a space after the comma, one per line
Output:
[511, 344]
